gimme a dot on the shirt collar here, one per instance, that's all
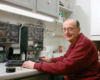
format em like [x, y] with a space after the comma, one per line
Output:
[78, 39]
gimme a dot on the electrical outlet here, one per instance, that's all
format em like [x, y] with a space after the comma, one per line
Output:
[30, 54]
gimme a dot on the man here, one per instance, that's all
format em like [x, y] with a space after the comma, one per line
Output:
[80, 61]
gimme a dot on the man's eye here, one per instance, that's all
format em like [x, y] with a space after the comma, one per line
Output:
[70, 29]
[64, 29]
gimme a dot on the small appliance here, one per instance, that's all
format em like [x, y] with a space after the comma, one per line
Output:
[2, 53]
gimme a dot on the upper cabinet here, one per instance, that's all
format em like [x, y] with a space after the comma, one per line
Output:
[45, 7]
[24, 3]
[50, 7]
[95, 17]
[95, 20]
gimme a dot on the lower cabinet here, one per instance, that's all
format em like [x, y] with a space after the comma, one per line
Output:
[56, 77]
[45, 77]
[34, 77]
[40, 77]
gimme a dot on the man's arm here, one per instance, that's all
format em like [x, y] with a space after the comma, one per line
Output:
[61, 57]
[80, 58]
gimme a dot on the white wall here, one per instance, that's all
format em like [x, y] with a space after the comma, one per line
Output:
[81, 12]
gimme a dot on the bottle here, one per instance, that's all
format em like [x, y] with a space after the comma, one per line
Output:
[60, 49]
[62, 17]
[23, 56]
[66, 3]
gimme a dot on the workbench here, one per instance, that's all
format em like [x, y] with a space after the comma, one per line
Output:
[22, 74]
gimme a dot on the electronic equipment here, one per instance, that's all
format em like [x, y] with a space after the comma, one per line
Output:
[31, 39]
[14, 53]
[2, 53]
[14, 63]
[9, 33]
[20, 62]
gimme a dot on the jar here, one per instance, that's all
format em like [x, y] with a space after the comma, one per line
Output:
[60, 49]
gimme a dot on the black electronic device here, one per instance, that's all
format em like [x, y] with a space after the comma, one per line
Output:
[9, 33]
[31, 39]
[2, 53]
[11, 63]
[14, 53]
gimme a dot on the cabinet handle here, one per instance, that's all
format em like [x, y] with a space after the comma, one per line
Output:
[49, 2]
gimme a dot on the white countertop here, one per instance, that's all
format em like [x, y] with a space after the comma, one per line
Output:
[19, 73]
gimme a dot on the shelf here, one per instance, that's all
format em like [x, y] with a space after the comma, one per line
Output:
[59, 22]
[64, 9]
[54, 35]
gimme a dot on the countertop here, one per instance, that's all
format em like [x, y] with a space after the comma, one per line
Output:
[19, 73]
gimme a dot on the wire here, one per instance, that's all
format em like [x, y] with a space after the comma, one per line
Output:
[55, 27]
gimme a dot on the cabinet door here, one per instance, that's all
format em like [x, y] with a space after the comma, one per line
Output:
[50, 7]
[42, 77]
[25, 3]
[95, 17]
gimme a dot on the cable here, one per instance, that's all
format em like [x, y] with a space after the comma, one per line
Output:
[55, 27]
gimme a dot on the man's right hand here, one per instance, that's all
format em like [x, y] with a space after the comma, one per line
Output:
[46, 59]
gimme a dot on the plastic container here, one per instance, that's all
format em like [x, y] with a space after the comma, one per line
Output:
[62, 17]
[60, 49]
[23, 56]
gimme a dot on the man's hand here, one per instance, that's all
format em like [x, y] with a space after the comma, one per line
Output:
[28, 64]
[46, 59]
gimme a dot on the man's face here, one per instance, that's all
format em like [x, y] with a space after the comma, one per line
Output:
[71, 31]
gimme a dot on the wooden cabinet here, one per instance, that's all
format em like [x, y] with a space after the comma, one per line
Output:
[95, 20]
[34, 77]
[95, 17]
[24, 3]
[50, 7]
[41, 77]
[46, 7]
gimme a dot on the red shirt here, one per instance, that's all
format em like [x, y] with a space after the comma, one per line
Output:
[79, 63]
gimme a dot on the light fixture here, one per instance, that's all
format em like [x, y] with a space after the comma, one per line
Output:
[24, 13]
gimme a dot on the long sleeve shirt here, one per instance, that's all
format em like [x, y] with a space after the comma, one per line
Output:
[79, 63]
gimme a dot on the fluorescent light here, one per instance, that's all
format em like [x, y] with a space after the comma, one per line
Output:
[24, 13]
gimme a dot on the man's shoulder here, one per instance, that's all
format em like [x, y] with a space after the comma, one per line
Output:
[84, 40]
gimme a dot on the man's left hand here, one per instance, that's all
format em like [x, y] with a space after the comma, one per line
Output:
[28, 64]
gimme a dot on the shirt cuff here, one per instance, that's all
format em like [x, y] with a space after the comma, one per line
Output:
[52, 59]
[37, 66]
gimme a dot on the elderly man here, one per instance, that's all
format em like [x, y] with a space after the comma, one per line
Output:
[80, 61]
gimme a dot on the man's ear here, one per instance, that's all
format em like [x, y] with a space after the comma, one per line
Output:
[79, 30]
